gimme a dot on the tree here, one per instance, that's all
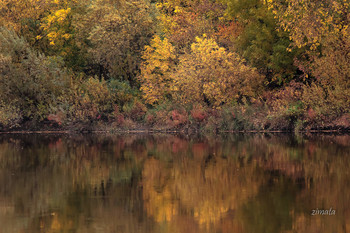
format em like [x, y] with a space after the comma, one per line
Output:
[15, 13]
[322, 28]
[46, 25]
[30, 81]
[182, 21]
[58, 35]
[210, 74]
[115, 33]
[159, 61]
[260, 43]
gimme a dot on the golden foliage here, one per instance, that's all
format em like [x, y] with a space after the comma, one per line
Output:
[13, 11]
[211, 74]
[182, 21]
[309, 21]
[57, 26]
[156, 69]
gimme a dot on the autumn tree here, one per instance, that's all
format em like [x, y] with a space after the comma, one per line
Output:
[212, 75]
[260, 43]
[115, 32]
[29, 81]
[46, 25]
[182, 21]
[159, 61]
[322, 29]
[58, 37]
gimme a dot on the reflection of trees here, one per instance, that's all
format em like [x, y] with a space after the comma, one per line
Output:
[158, 192]
[220, 183]
[321, 165]
[212, 187]
[327, 164]
[48, 179]
[166, 183]
[199, 184]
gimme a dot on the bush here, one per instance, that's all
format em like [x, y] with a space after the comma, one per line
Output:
[235, 118]
[177, 118]
[123, 91]
[325, 102]
[88, 99]
[29, 80]
[10, 115]
[199, 113]
[284, 106]
[135, 110]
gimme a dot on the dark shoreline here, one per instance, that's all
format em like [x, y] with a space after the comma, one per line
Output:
[152, 131]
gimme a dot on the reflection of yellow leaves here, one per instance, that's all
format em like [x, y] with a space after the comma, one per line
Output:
[158, 197]
[209, 194]
[164, 209]
[55, 224]
[209, 213]
[216, 190]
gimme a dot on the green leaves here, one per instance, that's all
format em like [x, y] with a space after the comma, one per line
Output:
[115, 33]
[28, 79]
[260, 43]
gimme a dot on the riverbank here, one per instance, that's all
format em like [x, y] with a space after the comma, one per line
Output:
[99, 127]
[197, 118]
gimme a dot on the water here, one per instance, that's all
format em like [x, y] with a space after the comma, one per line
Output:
[168, 183]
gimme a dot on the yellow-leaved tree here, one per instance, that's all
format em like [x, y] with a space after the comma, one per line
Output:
[159, 61]
[56, 26]
[14, 13]
[322, 27]
[212, 75]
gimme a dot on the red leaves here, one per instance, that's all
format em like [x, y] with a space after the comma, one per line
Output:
[55, 118]
[198, 113]
[178, 117]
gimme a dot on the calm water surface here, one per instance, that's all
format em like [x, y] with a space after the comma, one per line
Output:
[167, 183]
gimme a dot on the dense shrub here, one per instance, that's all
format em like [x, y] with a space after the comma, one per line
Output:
[29, 80]
[135, 110]
[10, 115]
[88, 99]
[325, 102]
[123, 91]
[199, 113]
[177, 118]
[284, 106]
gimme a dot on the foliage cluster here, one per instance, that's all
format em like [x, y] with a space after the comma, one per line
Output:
[30, 82]
[211, 64]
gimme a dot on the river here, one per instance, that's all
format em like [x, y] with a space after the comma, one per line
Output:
[171, 183]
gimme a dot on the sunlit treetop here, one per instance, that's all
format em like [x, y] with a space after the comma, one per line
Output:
[309, 22]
